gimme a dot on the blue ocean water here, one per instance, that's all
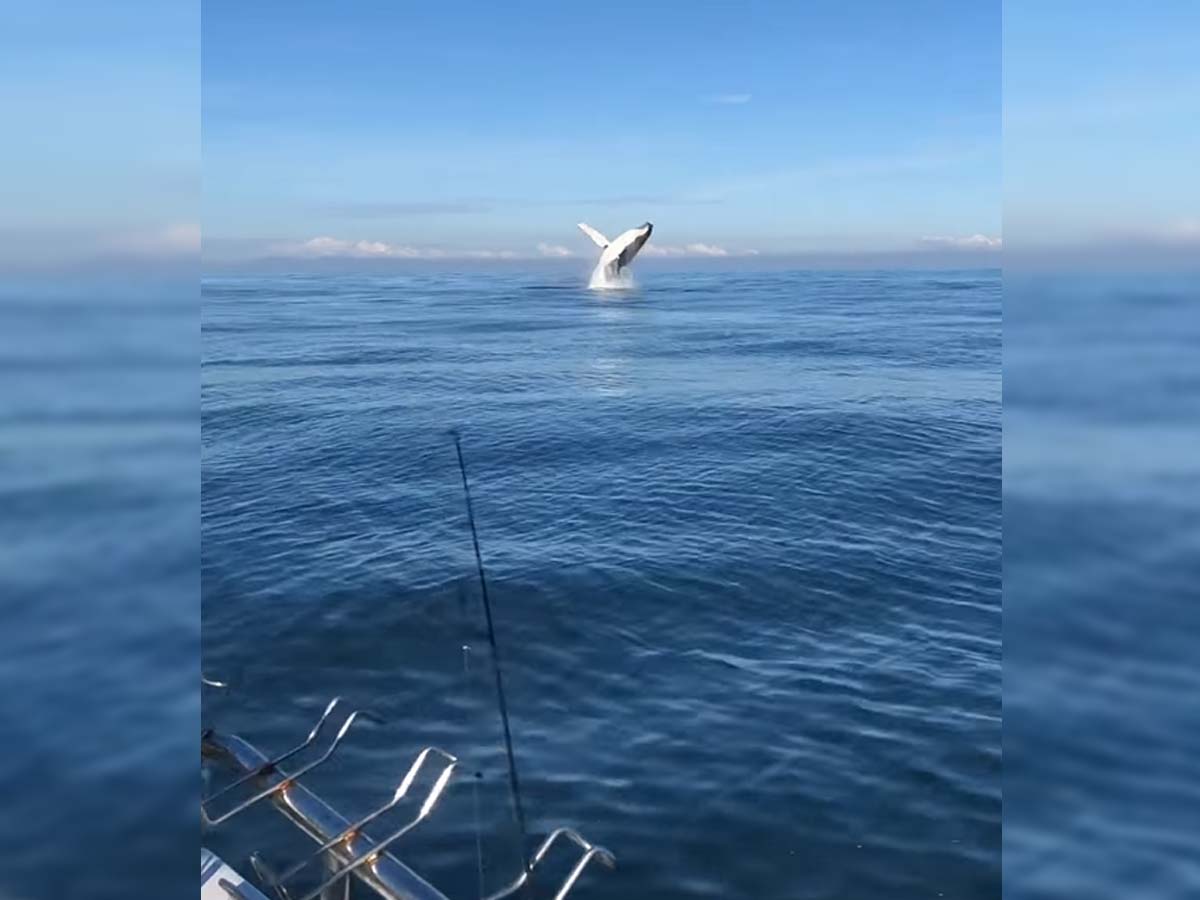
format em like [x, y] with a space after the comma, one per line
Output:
[743, 537]
[736, 723]
[99, 588]
[1101, 563]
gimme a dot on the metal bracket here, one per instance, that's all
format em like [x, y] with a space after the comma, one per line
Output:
[272, 765]
[590, 852]
[354, 830]
[349, 854]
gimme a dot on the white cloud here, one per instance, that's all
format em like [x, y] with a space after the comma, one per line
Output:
[325, 247]
[970, 242]
[329, 246]
[484, 254]
[728, 99]
[183, 237]
[693, 250]
[706, 250]
[1185, 231]
[178, 239]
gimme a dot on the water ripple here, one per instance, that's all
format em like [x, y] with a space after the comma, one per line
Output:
[743, 536]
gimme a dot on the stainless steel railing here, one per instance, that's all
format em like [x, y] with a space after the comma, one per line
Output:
[344, 849]
[387, 876]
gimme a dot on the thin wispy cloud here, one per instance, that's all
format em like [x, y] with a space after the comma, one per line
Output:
[176, 239]
[169, 241]
[1187, 230]
[467, 206]
[1183, 232]
[820, 174]
[338, 248]
[642, 200]
[406, 208]
[38, 247]
[729, 99]
[326, 247]
[967, 242]
[696, 249]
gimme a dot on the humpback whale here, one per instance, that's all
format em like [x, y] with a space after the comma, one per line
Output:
[616, 254]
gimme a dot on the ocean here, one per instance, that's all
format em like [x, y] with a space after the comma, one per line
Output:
[1101, 563]
[99, 585]
[742, 536]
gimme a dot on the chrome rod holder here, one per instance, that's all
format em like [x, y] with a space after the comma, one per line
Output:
[290, 779]
[373, 854]
[271, 764]
[349, 854]
[388, 878]
[355, 828]
[590, 852]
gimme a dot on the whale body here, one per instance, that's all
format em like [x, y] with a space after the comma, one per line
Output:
[618, 253]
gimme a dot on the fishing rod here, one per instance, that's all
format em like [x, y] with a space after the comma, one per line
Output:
[514, 782]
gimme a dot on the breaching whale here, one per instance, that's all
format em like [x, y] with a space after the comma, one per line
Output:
[617, 254]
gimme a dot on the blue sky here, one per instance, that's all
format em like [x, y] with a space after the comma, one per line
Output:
[781, 127]
[792, 127]
[101, 136]
[1101, 132]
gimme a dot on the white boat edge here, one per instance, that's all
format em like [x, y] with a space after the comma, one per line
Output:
[220, 882]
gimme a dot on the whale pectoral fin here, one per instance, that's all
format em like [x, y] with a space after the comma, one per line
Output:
[600, 240]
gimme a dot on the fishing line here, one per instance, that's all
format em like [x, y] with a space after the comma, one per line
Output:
[466, 650]
[487, 609]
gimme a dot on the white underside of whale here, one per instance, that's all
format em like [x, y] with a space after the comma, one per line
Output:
[615, 254]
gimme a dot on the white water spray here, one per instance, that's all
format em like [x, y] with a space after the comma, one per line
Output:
[604, 280]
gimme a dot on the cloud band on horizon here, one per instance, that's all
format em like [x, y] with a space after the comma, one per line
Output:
[326, 247]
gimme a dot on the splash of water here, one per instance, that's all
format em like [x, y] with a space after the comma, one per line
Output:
[602, 281]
